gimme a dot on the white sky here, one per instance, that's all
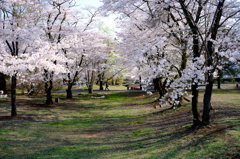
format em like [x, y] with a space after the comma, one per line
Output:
[108, 21]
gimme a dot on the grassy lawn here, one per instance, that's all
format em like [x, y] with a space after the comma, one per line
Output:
[122, 125]
[96, 87]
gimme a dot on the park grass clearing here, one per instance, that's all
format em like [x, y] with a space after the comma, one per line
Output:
[122, 125]
[96, 87]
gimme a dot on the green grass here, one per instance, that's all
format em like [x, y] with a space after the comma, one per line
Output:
[122, 125]
[96, 87]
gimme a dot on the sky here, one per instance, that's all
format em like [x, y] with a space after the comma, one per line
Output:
[108, 21]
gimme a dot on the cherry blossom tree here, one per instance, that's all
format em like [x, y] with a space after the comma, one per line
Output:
[198, 23]
[85, 45]
[58, 21]
[16, 40]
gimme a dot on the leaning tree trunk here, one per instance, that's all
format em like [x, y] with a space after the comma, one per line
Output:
[13, 96]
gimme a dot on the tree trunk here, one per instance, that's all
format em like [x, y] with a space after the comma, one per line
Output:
[196, 54]
[195, 108]
[69, 91]
[49, 98]
[161, 88]
[13, 96]
[48, 91]
[207, 100]
[90, 90]
[155, 82]
[90, 87]
[210, 49]
[219, 83]
[140, 82]
[3, 85]
[219, 79]
[183, 66]
[31, 87]
[49, 94]
[101, 85]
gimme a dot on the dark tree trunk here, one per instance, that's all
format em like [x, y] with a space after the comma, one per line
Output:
[69, 91]
[219, 79]
[101, 85]
[91, 81]
[207, 100]
[140, 82]
[210, 50]
[195, 108]
[48, 89]
[155, 83]
[70, 84]
[3, 85]
[161, 87]
[90, 90]
[196, 54]
[13, 96]
[183, 66]
[14, 52]
[101, 80]
[49, 92]
[219, 83]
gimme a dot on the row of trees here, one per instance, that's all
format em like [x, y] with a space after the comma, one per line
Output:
[179, 43]
[49, 40]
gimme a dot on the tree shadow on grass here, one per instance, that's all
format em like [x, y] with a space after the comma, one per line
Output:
[120, 147]
[64, 148]
[113, 135]
[70, 149]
